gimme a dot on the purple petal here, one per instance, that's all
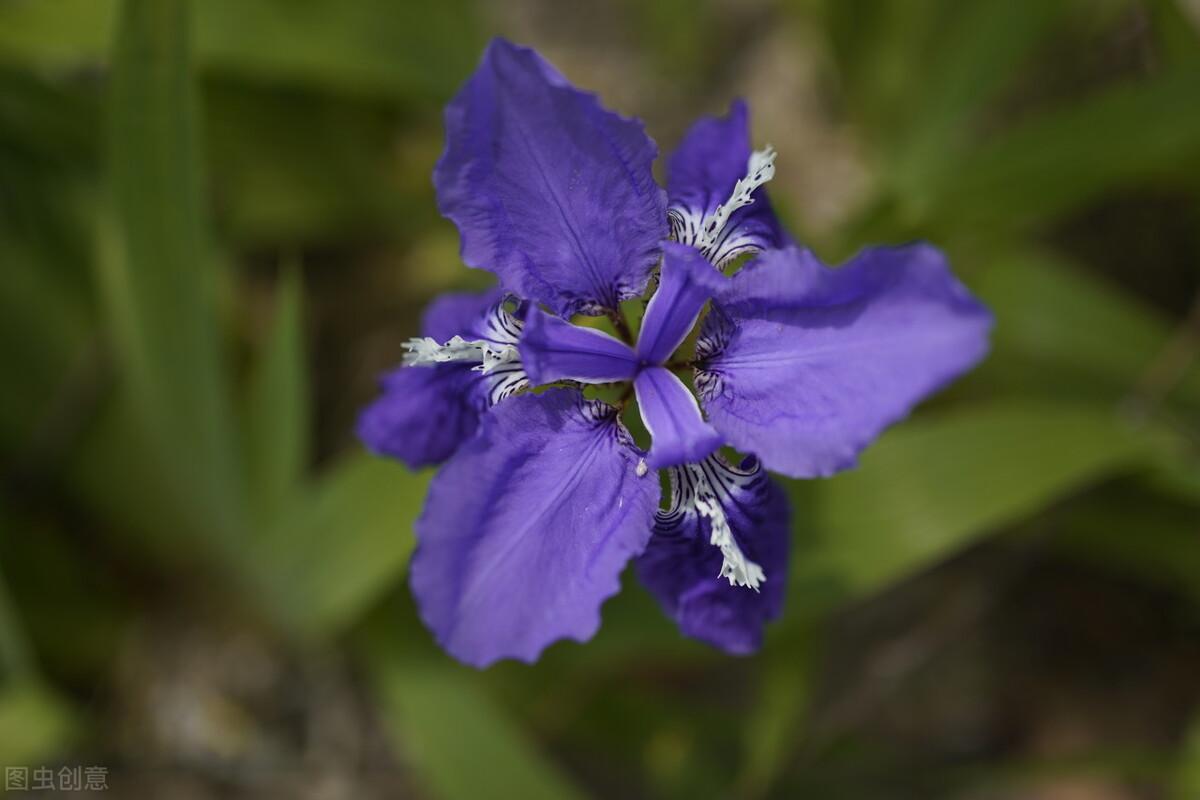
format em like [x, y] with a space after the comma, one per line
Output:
[527, 529]
[805, 365]
[424, 413]
[459, 314]
[679, 432]
[554, 350]
[681, 567]
[686, 283]
[548, 189]
[702, 172]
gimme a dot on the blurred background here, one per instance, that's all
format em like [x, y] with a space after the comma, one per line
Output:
[217, 226]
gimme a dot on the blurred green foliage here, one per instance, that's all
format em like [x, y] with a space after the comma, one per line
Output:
[200, 203]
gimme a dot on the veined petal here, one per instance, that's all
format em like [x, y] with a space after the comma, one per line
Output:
[714, 185]
[423, 415]
[673, 419]
[425, 412]
[686, 283]
[527, 529]
[718, 560]
[805, 365]
[549, 190]
[554, 350]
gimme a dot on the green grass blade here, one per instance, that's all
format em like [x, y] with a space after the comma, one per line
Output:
[158, 288]
[35, 724]
[463, 746]
[1063, 332]
[15, 657]
[1042, 168]
[340, 546]
[1185, 783]
[375, 47]
[928, 488]
[978, 55]
[277, 413]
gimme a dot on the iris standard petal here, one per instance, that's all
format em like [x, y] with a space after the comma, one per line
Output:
[686, 571]
[673, 419]
[425, 412]
[527, 529]
[702, 174]
[686, 283]
[805, 365]
[554, 350]
[549, 190]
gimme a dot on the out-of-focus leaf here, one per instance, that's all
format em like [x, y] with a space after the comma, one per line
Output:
[375, 46]
[277, 414]
[882, 50]
[1060, 332]
[44, 334]
[978, 52]
[774, 724]
[36, 725]
[15, 658]
[65, 33]
[269, 188]
[922, 492]
[1179, 36]
[46, 160]
[1185, 783]
[372, 45]
[157, 284]
[1136, 531]
[340, 545]
[67, 611]
[1057, 161]
[929, 487]
[461, 744]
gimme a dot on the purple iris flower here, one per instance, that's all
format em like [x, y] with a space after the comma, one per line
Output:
[545, 497]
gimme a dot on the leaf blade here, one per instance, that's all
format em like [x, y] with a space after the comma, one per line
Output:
[157, 287]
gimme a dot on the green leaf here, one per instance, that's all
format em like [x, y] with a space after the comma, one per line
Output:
[277, 414]
[929, 487]
[340, 545]
[16, 660]
[1058, 161]
[978, 54]
[158, 288]
[1136, 531]
[462, 745]
[1179, 36]
[261, 143]
[374, 46]
[36, 725]
[1185, 783]
[1065, 333]
[776, 719]
[882, 50]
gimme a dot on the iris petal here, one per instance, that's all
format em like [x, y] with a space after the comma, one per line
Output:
[679, 431]
[805, 365]
[682, 568]
[702, 173]
[554, 350]
[686, 283]
[425, 412]
[549, 190]
[527, 528]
